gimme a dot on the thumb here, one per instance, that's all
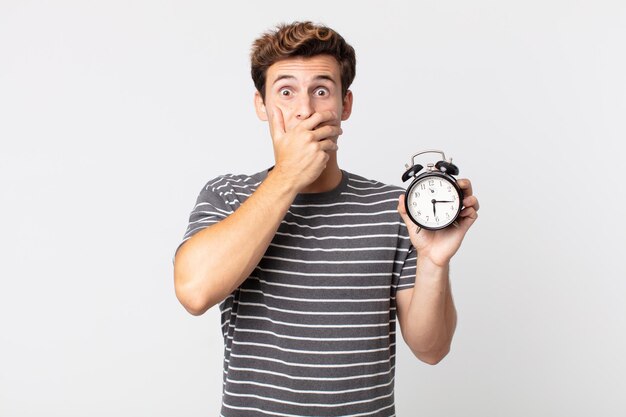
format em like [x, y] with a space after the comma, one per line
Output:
[402, 210]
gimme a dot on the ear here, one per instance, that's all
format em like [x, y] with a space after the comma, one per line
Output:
[259, 106]
[347, 106]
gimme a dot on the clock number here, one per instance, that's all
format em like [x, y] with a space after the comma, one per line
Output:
[427, 218]
[423, 186]
[417, 194]
[437, 219]
[431, 182]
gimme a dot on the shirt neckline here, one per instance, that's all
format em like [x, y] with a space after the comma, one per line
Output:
[323, 196]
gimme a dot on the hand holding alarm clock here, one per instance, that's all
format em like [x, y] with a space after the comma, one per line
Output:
[442, 207]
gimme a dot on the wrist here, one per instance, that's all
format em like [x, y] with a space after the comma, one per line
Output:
[428, 267]
[283, 184]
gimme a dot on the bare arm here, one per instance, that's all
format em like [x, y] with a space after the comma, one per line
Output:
[216, 260]
[426, 312]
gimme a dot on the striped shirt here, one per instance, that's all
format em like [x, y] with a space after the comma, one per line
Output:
[312, 331]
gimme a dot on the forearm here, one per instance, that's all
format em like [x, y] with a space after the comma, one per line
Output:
[427, 314]
[431, 314]
[216, 260]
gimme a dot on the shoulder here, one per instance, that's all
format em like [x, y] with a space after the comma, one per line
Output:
[230, 190]
[226, 182]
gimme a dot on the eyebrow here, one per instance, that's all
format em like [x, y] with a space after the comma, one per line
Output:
[317, 78]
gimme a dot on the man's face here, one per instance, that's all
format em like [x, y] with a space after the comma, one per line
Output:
[299, 87]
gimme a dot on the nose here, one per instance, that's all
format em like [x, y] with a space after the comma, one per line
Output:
[304, 108]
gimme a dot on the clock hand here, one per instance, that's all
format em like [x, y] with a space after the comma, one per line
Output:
[443, 201]
[434, 207]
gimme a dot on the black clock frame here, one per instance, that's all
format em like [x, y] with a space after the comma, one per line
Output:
[437, 174]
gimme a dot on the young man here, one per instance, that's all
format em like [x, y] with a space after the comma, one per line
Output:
[311, 265]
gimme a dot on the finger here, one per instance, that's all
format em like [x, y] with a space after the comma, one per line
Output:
[277, 122]
[402, 210]
[414, 229]
[327, 145]
[326, 132]
[469, 212]
[466, 186]
[471, 201]
[317, 119]
[467, 218]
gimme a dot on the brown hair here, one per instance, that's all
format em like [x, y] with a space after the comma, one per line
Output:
[301, 39]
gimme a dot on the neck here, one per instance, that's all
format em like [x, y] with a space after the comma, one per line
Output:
[328, 180]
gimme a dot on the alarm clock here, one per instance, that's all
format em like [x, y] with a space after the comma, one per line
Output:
[433, 200]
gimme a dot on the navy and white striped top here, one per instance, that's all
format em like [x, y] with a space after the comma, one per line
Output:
[312, 331]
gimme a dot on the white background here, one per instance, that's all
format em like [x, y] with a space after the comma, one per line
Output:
[113, 114]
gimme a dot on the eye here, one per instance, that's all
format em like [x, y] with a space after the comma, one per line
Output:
[321, 92]
[285, 92]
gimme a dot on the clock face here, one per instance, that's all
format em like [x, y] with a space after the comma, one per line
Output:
[433, 201]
